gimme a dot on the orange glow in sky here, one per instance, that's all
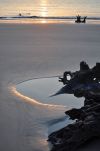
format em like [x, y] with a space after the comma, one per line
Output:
[50, 7]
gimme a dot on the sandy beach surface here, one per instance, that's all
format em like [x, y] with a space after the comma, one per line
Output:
[37, 50]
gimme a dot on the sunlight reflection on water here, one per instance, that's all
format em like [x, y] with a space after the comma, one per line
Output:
[42, 89]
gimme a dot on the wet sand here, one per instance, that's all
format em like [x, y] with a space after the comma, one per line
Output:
[28, 51]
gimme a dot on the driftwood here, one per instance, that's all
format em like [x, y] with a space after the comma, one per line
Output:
[87, 120]
[79, 20]
[83, 76]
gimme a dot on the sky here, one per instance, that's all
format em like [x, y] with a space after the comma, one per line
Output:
[50, 7]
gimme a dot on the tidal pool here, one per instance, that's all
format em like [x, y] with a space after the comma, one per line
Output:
[43, 90]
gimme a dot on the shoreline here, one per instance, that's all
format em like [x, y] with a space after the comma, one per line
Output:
[47, 21]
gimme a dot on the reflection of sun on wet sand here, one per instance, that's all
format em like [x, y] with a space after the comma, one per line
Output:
[13, 89]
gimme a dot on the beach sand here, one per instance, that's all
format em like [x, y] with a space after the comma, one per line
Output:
[37, 50]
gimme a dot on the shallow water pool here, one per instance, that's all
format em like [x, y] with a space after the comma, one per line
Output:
[43, 90]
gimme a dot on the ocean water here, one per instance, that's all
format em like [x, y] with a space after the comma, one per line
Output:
[50, 7]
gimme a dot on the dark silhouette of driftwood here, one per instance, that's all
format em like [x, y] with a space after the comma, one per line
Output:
[87, 119]
[79, 20]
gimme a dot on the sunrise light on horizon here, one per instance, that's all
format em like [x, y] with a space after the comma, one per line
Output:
[46, 8]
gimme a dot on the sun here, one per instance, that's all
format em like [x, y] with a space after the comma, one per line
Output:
[44, 10]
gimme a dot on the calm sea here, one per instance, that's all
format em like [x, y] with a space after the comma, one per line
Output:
[50, 7]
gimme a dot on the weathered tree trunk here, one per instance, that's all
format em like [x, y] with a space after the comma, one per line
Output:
[86, 127]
